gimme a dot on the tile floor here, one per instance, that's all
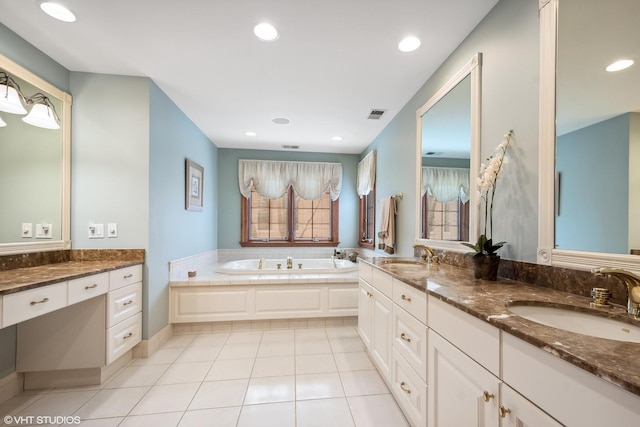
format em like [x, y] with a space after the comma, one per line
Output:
[301, 377]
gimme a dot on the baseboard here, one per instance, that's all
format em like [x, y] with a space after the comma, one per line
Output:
[262, 325]
[148, 347]
[11, 385]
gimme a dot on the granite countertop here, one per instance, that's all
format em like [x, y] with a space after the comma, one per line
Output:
[22, 279]
[614, 361]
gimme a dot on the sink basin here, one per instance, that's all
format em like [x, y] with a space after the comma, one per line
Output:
[580, 322]
[412, 268]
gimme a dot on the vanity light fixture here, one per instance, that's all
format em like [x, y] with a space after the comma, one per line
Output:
[266, 32]
[43, 113]
[409, 44]
[57, 11]
[619, 65]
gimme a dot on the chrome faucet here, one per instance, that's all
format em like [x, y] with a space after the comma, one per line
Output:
[428, 255]
[289, 263]
[628, 278]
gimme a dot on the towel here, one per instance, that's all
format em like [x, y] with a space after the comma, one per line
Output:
[387, 233]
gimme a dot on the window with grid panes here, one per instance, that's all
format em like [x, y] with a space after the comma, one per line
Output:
[445, 221]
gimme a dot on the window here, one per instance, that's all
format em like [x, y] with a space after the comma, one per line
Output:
[289, 220]
[445, 221]
[368, 220]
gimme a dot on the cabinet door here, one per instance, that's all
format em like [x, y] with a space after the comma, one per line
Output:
[516, 411]
[381, 337]
[364, 312]
[461, 392]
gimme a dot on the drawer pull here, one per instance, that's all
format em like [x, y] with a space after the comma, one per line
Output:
[405, 298]
[95, 285]
[42, 301]
[369, 294]
[487, 396]
[404, 337]
[129, 335]
[502, 411]
[126, 276]
[127, 303]
[404, 388]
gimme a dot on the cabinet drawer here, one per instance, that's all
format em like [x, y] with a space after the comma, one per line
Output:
[478, 339]
[87, 287]
[411, 299]
[410, 391]
[410, 340]
[382, 282]
[25, 305]
[365, 271]
[125, 276]
[122, 337]
[123, 303]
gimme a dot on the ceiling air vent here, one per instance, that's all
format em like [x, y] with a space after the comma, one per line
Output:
[290, 147]
[376, 114]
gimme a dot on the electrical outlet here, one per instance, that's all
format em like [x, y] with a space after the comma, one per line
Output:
[44, 231]
[27, 230]
[112, 230]
[96, 231]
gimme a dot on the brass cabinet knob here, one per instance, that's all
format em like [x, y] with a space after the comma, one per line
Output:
[502, 411]
[487, 396]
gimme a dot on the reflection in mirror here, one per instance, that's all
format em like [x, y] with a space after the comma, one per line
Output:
[448, 143]
[34, 169]
[598, 127]
[446, 150]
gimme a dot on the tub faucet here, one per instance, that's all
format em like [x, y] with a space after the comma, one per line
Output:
[428, 255]
[262, 264]
[628, 278]
[289, 263]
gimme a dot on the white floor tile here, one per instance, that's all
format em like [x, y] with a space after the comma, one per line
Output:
[310, 334]
[358, 383]
[346, 344]
[102, 422]
[318, 386]
[318, 346]
[112, 403]
[160, 357]
[166, 398]
[245, 337]
[230, 369]
[185, 373]
[274, 367]
[278, 336]
[199, 354]
[220, 417]
[270, 349]
[156, 420]
[239, 350]
[315, 364]
[178, 341]
[342, 332]
[324, 413]
[210, 340]
[59, 404]
[271, 415]
[376, 411]
[137, 376]
[270, 390]
[353, 361]
[17, 403]
[219, 394]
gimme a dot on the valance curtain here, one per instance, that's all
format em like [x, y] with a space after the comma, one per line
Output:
[366, 174]
[445, 184]
[271, 179]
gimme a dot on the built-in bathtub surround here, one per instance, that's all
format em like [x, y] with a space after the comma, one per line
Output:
[562, 279]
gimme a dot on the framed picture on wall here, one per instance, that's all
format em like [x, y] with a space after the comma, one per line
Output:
[194, 184]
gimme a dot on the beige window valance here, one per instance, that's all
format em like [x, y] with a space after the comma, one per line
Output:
[445, 184]
[271, 179]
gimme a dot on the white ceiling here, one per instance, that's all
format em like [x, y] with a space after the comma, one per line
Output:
[334, 61]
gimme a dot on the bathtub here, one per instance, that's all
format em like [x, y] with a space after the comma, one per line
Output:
[300, 266]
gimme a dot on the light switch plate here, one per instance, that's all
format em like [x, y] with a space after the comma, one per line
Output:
[112, 230]
[27, 230]
[43, 231]
[96, 231]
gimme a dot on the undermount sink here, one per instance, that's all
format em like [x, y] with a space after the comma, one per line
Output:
[407, 267]
[580, 322]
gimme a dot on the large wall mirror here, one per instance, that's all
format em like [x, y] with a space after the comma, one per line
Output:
[591, 189]
[34, 169]
[448, 145]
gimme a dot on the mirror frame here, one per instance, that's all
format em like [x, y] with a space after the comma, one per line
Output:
[472, 68]
[547, 254]
[65, 117]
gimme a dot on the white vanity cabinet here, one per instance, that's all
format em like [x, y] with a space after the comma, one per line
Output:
[375, 316]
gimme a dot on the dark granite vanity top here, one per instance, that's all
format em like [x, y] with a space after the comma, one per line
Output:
[614, 361]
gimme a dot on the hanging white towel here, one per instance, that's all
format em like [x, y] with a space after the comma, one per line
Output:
[387, 234]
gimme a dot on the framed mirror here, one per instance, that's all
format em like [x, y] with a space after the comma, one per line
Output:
[34, 169]
[448, 153]
[590, 135]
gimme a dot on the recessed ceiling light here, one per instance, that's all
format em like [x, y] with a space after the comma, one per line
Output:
[409, 44]
[620, 65]
[57, 11]
[336, 138]
[250, 133]
[266, 32]
[281, 121]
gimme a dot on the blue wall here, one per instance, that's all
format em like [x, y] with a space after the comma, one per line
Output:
[594, 178]
[173, 231]
[229, 193]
